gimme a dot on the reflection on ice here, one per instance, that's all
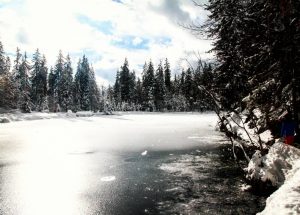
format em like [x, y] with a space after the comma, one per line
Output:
[108, 178]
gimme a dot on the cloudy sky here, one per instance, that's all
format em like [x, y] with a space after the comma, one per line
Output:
[106, 31]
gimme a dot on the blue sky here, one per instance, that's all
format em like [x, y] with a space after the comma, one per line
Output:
[106, 31]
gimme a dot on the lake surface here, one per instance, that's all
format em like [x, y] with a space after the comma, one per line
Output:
[121, 164]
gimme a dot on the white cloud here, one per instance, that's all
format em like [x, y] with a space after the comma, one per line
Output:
[51, 25]
[137, 41]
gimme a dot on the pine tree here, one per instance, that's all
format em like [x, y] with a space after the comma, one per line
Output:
[167, 75]
[7, 87]
[188, 88]
[176, 85]
[117, 91]
[93, 91]
[3, 65]
[81, 85]
[159, 89]
[139, 94]
[66, 85]
[35, 77]
[86, 92]
[110, 99]
[125, 82]
[39, 74]
[52, 97]
[148, 86]
[25, 85]
[226, 17]
[59, 81]
[132, 87]
[16, 78]
[203, 76]
[42, 89]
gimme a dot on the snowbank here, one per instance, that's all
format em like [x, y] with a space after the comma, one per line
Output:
[286, 200]
[276, 166]
[281, 167]
[84, 113]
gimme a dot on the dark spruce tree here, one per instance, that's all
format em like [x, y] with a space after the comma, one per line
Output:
[3, 62]
[132, 89]
[188, 88]
[167, 75]
[59, 85]
[148, 86]
[39, 74]
[16, 78]
[159, 89]
[82, 85]
[117, 91]
[7, 86]
[52, 92]
[139, 94]
[93, 91]
[25, 85]
[125, 80]
[225, 26]
[66, 86]
[86, 92]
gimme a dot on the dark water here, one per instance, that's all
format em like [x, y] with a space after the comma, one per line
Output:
[165, 164]
[195, 181]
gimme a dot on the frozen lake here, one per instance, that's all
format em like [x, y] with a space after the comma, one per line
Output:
[120, 164]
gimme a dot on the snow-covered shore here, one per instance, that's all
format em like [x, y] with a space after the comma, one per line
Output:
[19, 116]
[281, 167]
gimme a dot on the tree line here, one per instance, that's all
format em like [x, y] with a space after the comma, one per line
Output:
[33, 87]
[157, 90]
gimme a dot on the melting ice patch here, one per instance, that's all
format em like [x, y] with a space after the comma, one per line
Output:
[108, 178]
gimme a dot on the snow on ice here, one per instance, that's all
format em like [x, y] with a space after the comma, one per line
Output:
[144, 153]
[108, 178]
